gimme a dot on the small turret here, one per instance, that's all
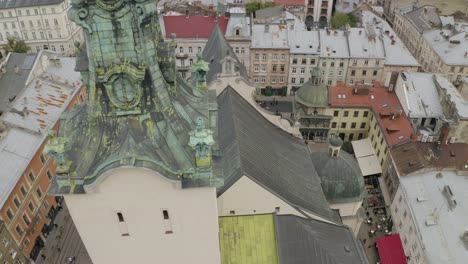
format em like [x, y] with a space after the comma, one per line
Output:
[334, 146]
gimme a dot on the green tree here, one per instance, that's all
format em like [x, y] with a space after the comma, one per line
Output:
[254, 6]
[16, 45]
[338, 20]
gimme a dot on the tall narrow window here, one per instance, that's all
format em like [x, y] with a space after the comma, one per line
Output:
[167, 222]
[120, 216]
[165, 215]
[122, 225]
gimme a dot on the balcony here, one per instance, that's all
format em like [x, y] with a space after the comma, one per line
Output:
[181, 55]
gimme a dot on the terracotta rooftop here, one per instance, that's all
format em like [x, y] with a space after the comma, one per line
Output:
[193, 26]
[290, 2]
[414, 156]
[385, 105]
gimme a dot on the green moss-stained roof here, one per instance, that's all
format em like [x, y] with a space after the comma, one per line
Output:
[312, 95]
[248, 239]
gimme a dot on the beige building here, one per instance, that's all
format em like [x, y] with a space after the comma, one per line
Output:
[334, 56]
[43, 25]
[366, 55]
[421, 183]
[154, 219]
[439, 43]
[269, 58]
[397, 56]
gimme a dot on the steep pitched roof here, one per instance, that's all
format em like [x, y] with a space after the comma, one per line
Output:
[11, 83]
[216, 50]
[279, 162]
[302, 241]
[193, 26]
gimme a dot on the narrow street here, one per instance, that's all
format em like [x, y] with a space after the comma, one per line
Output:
[64, 243]
[376, 224]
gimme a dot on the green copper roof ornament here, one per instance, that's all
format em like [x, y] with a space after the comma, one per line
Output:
[140, 112]
[56, 149]
[201, 140]
[200, 69]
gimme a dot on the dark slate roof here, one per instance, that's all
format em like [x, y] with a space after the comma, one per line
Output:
[4, 4]
[216, 50]
[305, 241]
[424, 18]
[253, 146]
[12, 83]
[340, 177]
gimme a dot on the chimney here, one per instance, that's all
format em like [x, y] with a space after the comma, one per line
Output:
[393, 42]
[360, 32]
[267, 28]
[466, 54]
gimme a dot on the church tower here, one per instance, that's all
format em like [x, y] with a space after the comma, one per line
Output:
[137, 161]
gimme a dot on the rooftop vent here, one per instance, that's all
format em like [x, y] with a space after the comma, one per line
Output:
[449, 196]
[421, 199]
[439, 175]
[267, 28]
[430, 222]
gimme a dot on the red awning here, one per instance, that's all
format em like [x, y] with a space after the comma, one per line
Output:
[390, 250]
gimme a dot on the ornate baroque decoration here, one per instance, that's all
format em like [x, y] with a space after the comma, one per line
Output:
[140, 112]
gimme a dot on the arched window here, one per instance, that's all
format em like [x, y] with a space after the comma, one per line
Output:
[237, 32]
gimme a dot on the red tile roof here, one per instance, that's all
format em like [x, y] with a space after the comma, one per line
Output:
[390, 250]
[383, 103]
[193, 26]
[290, 2]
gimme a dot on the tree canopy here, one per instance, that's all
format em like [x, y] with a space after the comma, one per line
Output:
[16, 45]
[338, 20]
[254, 6]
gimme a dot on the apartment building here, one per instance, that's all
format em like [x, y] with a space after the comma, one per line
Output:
[397, 57]
[42, 24]
[366, 56]
[319, 12]
[37, 88]
[10, 252]
[436, 183]
[191, 35]
[295, 7]
[304, 55]
[238, 34]
[269, 58]
[439, 43]
[410, 25]
[334, 56]
[369, 111]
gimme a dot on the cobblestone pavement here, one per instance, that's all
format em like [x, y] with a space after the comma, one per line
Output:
[376, 213]
[63, 243]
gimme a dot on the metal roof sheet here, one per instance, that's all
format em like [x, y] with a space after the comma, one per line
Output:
[29, 129]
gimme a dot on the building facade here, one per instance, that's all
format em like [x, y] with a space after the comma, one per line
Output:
[319, 12]
[26, 209]
[43, 25]
[9, 250]
[269, 58]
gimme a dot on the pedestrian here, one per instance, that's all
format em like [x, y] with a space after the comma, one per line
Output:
[55, 225]
[43, 256]
[59, 250]
[71, 259]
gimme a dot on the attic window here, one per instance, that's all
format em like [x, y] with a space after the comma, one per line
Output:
[237, 32]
